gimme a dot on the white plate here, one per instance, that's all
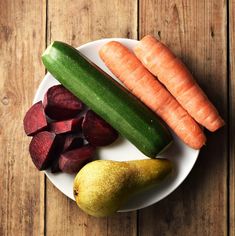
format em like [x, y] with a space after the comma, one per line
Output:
[181, 155]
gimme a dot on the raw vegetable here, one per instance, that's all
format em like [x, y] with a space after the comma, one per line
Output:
[35, 119]
[44, 149]
[60, 104]
[128, 69]
[72, 142]
[107, 98]
[97, 131]
[66, 126]
[170, 70]
[55, 166]
[72, 161]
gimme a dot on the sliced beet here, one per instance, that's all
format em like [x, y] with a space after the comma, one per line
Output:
[72, 142]
[72, 161]
[44, 148]
[61, 104]
[66, 126]
[97, 131]
[35, 119]
[55, 166]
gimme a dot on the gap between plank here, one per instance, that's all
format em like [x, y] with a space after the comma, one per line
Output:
[228, 118]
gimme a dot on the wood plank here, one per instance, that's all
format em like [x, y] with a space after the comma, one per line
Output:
[22, 39]
[232, 115]
[82, 21]
[195, 31]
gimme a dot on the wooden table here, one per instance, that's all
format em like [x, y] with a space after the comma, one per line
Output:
[201, 32]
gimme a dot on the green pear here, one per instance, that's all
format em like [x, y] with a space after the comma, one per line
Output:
[102, 187]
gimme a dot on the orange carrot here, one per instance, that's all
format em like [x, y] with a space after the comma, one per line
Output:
[128, 69]
[170, 70]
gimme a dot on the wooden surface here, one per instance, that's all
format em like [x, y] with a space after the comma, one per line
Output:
[196, 31]
[22, 39]
[231, 70]
[93, 22]
[200, 32]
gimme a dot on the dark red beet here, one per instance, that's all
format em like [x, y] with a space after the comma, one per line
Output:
[35, 119]
[61, 104]
[72, 161]
[55, 166]
[66, 126]
[97, 131]
[44, 148]
[72, 142]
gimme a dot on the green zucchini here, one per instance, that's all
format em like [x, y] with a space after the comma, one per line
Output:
[107, 98]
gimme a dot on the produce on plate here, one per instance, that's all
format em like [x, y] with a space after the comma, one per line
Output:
[66, 126]
[58, 144]
[128, 69]
[107, 98]
[60, 104]
[72, 142]
[73, 160]
[102, 187]
[44, 148]
[171, 71]
[97, 131]
[55, 167]
[35, 119]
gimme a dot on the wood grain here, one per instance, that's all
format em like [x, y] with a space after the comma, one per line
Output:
[22, 39]
[81, 22]
[88, 20]
[232, 115]
[196, 32]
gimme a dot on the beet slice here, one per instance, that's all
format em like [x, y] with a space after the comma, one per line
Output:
[72, 142]
[97, 131]
[61, 104]
[44, 148]
[55, 166]
[72, 161]
[35, 119]
[66, 126]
